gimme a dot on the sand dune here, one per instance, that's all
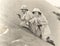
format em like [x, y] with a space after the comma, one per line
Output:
[10, 8]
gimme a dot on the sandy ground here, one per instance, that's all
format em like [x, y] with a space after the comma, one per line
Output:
[20, 37]
[8, 16]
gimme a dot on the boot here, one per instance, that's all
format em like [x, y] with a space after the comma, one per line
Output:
[50, 41]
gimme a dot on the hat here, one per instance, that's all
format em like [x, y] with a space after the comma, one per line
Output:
[36, 9]
[23, 7]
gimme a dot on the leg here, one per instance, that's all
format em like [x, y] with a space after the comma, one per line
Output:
[39, 26]
[50, 41]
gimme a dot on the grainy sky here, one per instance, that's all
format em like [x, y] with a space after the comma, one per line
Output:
[54, 2]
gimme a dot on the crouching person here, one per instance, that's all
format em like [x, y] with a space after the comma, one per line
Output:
[23, 11]
[35, 23]
[26, 17]
[41, 26]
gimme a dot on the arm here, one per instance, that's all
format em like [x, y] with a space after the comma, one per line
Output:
[44, 20]
[19, 16]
